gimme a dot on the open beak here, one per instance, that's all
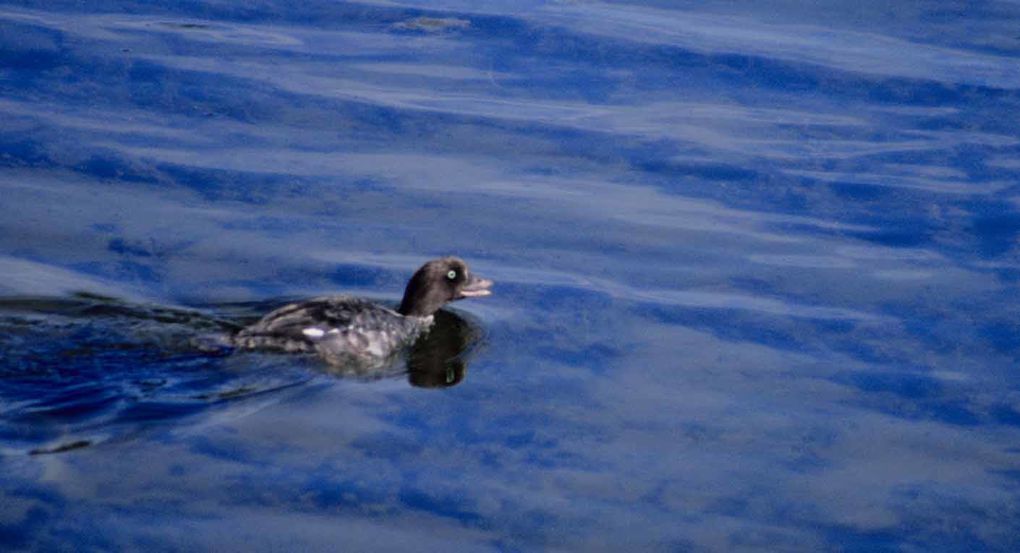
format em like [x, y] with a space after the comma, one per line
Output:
[475, 287]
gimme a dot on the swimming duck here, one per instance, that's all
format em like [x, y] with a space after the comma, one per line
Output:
[350, 331]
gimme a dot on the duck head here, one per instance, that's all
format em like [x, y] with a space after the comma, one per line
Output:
[439, 282]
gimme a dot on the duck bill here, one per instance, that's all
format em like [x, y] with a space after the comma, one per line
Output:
[475, 287]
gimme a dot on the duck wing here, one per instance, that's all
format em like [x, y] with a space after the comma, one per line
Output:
[297, 326]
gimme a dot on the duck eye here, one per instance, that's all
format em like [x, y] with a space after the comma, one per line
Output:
[451, 275]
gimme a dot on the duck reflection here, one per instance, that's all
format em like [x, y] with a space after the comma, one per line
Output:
[439, 359]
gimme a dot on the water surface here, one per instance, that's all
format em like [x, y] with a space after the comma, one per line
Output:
[756, 274]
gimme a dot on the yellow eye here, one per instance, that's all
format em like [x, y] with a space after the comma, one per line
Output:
[451, 275]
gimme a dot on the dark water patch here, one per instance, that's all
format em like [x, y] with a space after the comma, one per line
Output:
[855, 539]
[997, 233]
[330, 493]
[61, 448]
[709, 172]
[352, 275]
[909, 236]
[860, 191]
[110, 167]
[185, 26]
[1002, 335]
[907, 386]
[1006, 414]
[32, 60]
[914, 396]
[1012, 475]
[117, 245]
[149, 411]
[446, 507]
[21, 152]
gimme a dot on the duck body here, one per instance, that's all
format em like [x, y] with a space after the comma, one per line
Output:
[355, 332]
[341, 329]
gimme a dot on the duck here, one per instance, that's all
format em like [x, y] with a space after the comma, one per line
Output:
[348, 331]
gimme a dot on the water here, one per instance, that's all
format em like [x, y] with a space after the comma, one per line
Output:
[756, 274]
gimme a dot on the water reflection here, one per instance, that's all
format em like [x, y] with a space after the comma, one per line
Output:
[440, 359]
[745, 238]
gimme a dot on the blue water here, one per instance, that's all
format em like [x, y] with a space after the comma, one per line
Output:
[756, 265]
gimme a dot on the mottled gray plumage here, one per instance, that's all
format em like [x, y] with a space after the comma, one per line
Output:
[351, 331]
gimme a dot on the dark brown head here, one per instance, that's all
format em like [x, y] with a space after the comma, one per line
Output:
[438, 282]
